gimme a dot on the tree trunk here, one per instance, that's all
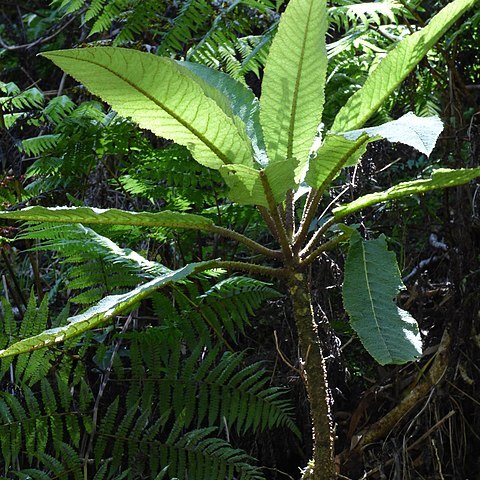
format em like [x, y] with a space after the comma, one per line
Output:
[322, 466]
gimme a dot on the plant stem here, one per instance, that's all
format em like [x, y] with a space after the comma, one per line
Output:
[251, 268]
[313, 366]
[324, 248]
[277, 219]
[317, 235]
[309, 211]
[268, 220]
[225, 232]
[290, 214]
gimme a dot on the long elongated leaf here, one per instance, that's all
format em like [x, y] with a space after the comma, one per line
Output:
[293, 85]
[395, 67]
[110, 216]
[105, 310]
[441, 178]
[235, 99]
[372, 280]
[337, 152]
[344, 150]
[160, 95]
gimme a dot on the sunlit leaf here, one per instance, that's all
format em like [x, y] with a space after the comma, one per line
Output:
[293, 85]
[107, 309]
[160, 95]
[441, 178]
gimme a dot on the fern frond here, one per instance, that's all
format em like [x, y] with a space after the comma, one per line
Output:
[238, 298]
[209, 458]
[100, 265]
[32, 474]
[35, 146]
[35, 421]
[106, 427]
[351, 14]
[94, 10]
[204, 387]
[131, 17]
[17, 99]
[30, 368]
[25, 427]
[190, 20]
[110, 11]
[140, 17]
[58, 108]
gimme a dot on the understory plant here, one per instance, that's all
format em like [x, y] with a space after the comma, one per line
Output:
[276, 154]
[146, 406]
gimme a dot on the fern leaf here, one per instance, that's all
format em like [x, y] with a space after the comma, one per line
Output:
[121, 435]
[32, 474]
[106, 428]
[37, 145]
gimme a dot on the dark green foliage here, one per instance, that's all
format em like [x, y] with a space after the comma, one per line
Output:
[173, 388]
[170, 405]
[170, 393]
[171, 176]
[160, 400]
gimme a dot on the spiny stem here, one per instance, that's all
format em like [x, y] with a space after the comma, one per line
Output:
[312, 363]
[277, 219]
[317, 235]
[267, 218]
[251, 268]
[257, 247]
[330, 245]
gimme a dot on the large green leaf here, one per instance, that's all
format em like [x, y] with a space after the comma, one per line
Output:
[160, 95]
[293, 85]
[235, 99]
[395, 67]
[338, 151]
[105, 310]
[110, 216]
[246, 184]
[335, 152]
[372, 280]
[420, 133]
[441, 178]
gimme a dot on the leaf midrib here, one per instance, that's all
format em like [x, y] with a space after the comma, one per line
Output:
[370, 297]
[222, 156]
[293, 112]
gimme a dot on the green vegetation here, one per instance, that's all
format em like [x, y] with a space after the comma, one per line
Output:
[237, 193]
